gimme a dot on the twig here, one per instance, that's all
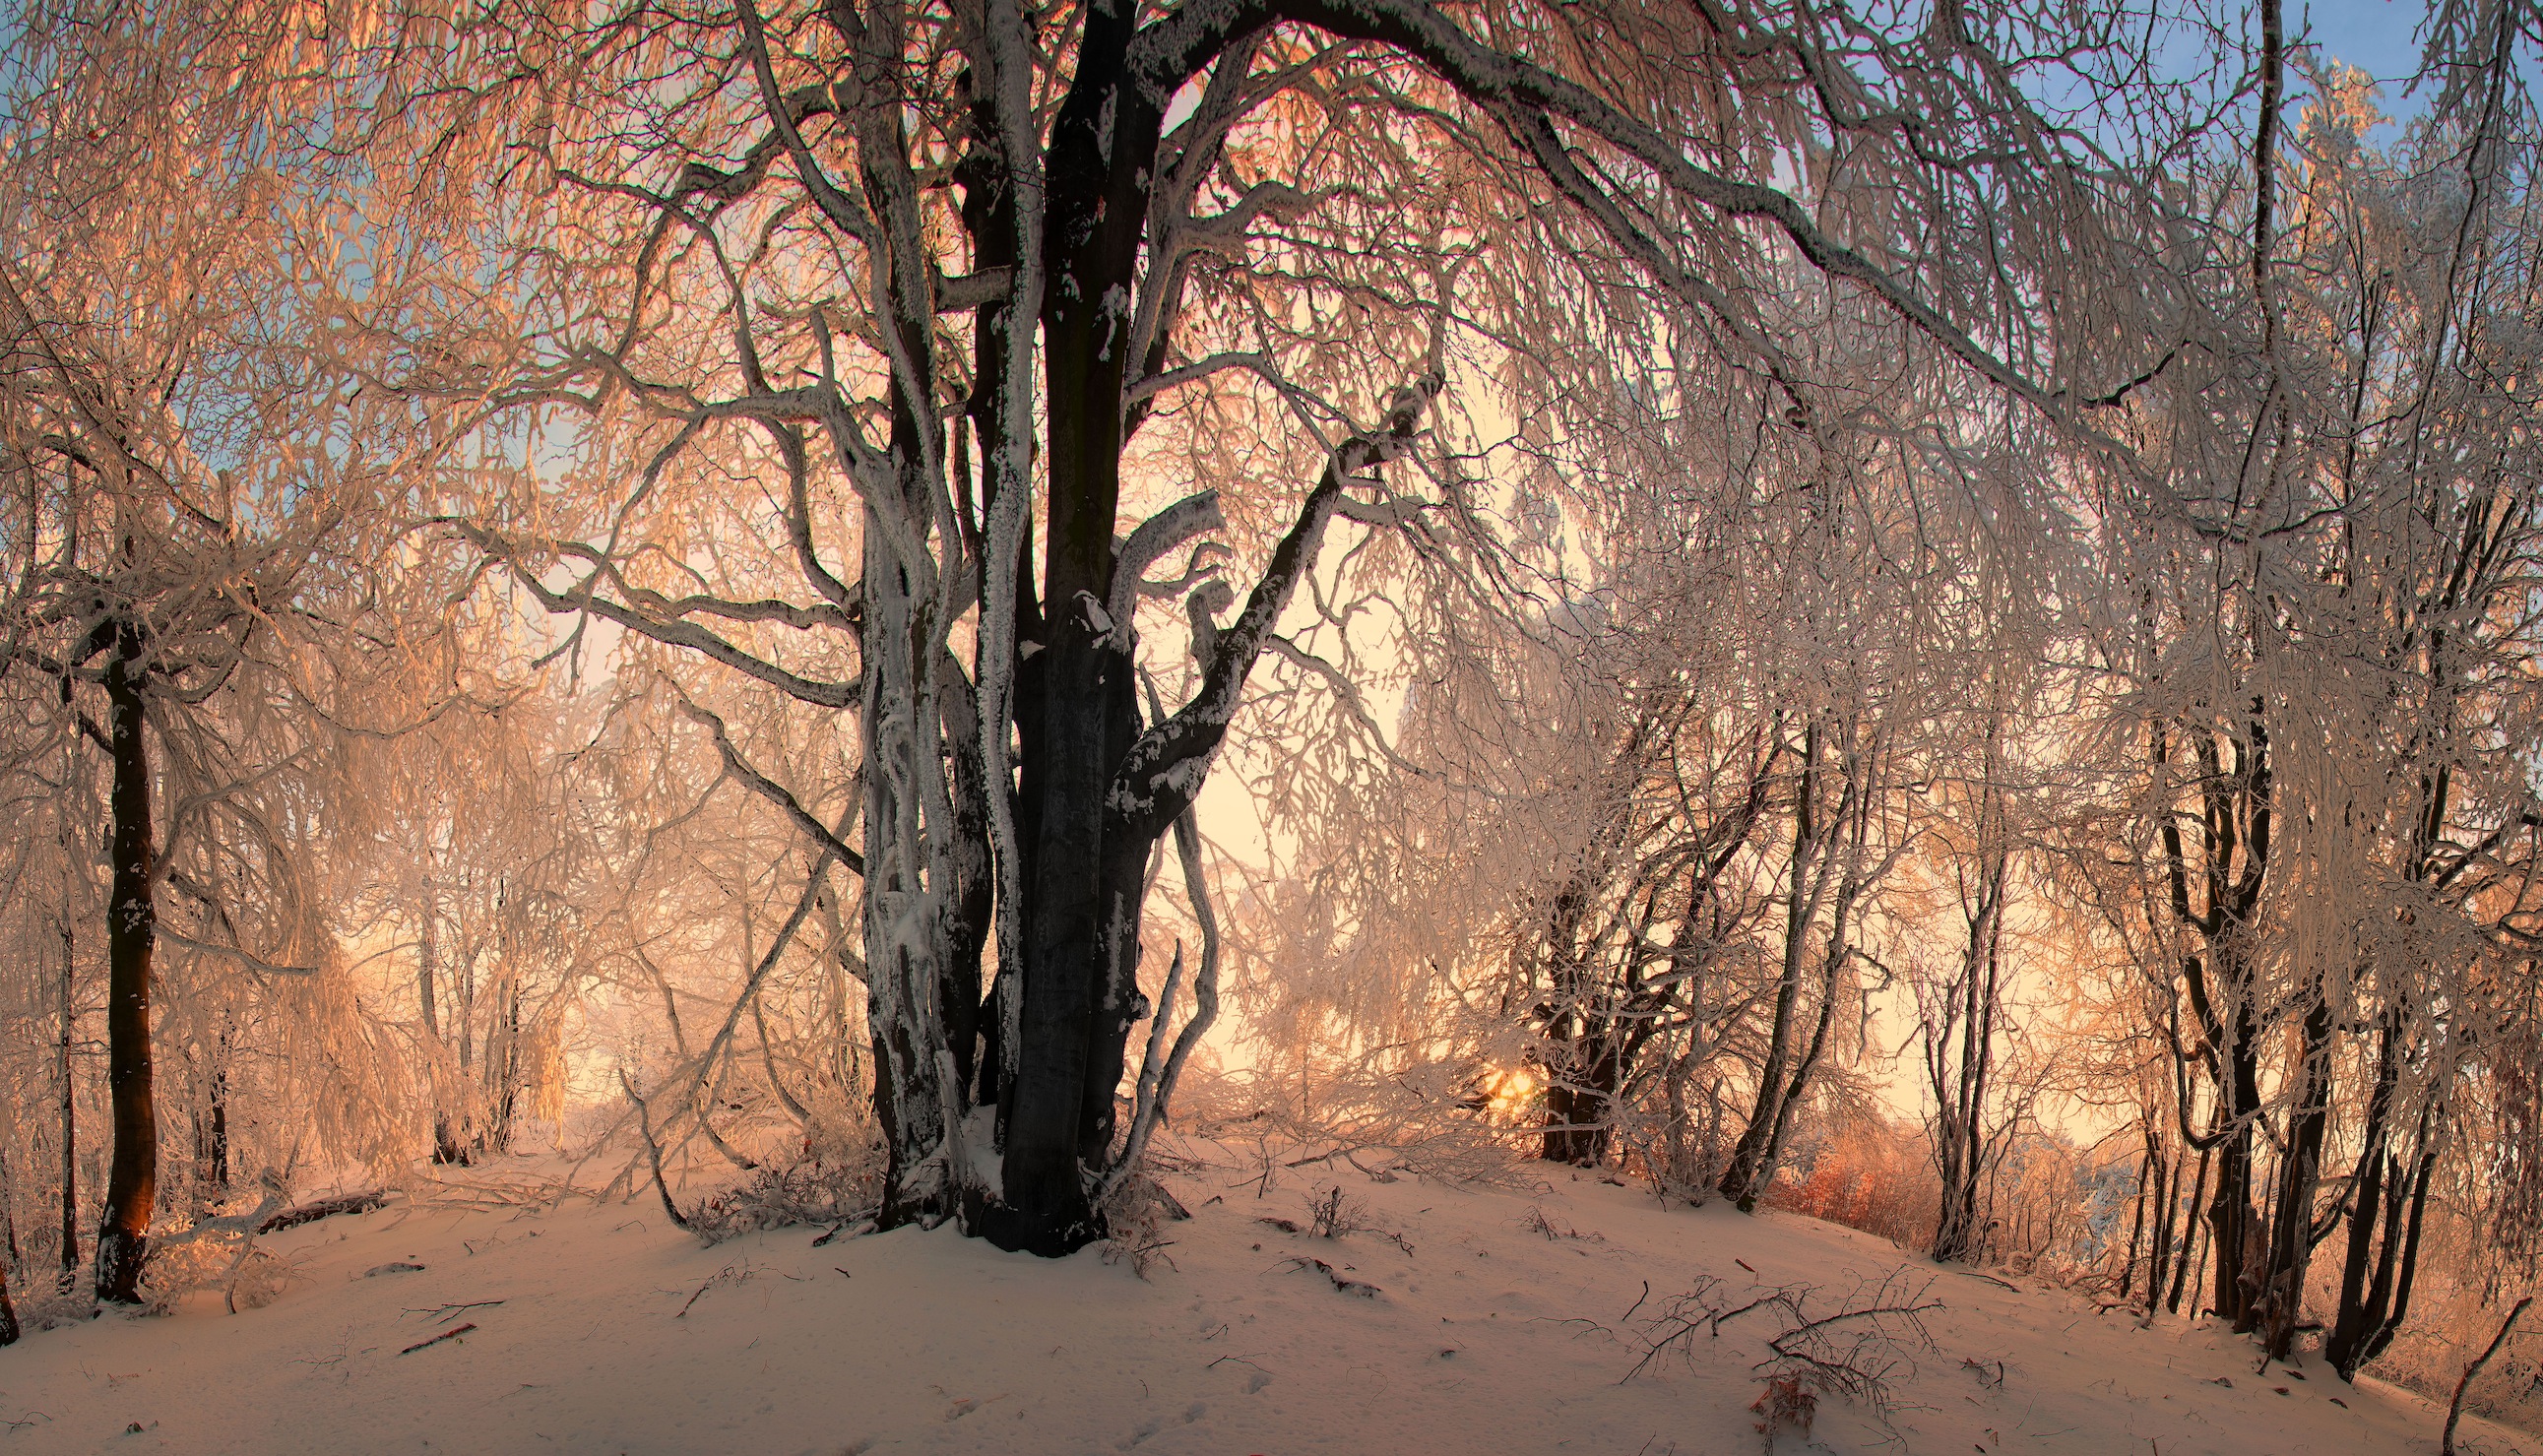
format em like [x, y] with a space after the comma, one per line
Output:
[1223, 1359]
[452, 1309]
[717, 1278]
[2454, 1407]
[437, 1339]
[653, 1152]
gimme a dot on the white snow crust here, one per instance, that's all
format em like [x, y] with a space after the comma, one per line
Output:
[616, 1332]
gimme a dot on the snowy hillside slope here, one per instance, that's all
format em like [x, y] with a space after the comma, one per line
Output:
[1511, 1324]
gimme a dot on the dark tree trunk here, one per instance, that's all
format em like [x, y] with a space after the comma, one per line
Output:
[2351, 1322]
[68, 1015]
[132, 1179]
[1748, 1157]
[2230, 1227]
[16, 1264]
[1576, 1101]
[1080, 928]
[2291, 1239]
[506, 1067]
[2188, 1236]
[2137, 1222]
[212, 1127]
[2392, 1197]
[2240, 1246]
[1579, 1102]
[2159, 1258]
[70, 1250]
[2231, 870]
[1079, 983]
[1963, 1096]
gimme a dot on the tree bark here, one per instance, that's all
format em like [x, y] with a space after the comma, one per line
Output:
[132, 1179]
[446, 1146]
[16, 1265]
[2159, 1258]
[2137, 1222]
[2189, 1237]
[68, 1012]
[2299, 1173]
[1739, 1180]
[212, 1126]
[71, 1242]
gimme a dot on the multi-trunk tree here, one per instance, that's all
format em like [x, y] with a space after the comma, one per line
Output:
[905, 357]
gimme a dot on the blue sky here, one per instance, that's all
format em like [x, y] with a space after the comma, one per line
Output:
[2374, 36]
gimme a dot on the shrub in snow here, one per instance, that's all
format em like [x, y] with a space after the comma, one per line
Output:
[1133, 1217]
[839, 1186]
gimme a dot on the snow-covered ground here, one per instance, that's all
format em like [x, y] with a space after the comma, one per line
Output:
[599, 1328]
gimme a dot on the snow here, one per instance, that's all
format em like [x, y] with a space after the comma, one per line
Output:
[599, 1328]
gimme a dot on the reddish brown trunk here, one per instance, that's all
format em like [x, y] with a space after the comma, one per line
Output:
[132, 1179]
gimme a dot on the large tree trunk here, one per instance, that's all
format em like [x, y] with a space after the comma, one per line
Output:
[133, 1179]
[1581, 1103]
[14, 1264]
[1576, 1106]
[1081, 926]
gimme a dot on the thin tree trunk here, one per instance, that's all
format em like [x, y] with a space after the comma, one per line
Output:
[132, 1179]
[2146, 1173]
[213, 1144]
[1739, 1181]
[2454, 1407]
[2231, 1214]
[446, 1146]
[69, 1009]
[2188, 1238]
[16, 1264]
[2299, 1173]
[2159, 1258]
[71, 1242]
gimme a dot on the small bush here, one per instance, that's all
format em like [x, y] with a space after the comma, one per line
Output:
[842, 1186]
[247, 1277]
[1134, 1219]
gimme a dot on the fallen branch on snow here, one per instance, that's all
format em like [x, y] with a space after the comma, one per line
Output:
[315, 1209]
[437, 1339]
